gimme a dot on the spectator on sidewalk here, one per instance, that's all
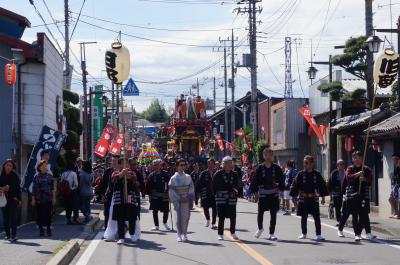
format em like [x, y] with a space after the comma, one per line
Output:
[86, 188]
[71, 196]
[395, 184]
[43, 197]
[291, 173]
[10, 185]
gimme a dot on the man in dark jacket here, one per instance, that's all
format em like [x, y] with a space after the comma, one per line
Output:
[267, 183]
[308, 186]
[207, 197]
[107, 189]
[334, 186]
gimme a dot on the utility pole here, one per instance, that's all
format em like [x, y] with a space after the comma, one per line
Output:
[288, 68]
[252, 11]
[86, 134]
[215, 97]
[369, 31]
[198, 87]
[225, 132]
[233, 110]
[66, 52]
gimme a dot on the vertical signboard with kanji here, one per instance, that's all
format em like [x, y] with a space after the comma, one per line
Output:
[97, 109]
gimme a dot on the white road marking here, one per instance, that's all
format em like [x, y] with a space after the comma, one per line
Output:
[352, 233]
[84, 259]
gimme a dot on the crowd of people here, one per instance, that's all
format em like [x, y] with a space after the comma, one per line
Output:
[181, 185]
[121, 184]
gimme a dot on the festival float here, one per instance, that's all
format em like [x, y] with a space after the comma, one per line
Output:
[189, 129]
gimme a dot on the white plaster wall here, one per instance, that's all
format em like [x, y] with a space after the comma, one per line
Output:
[384, 183]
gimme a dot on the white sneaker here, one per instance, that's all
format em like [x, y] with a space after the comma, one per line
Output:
[179, 239]
[320, 238]
[357, 238]
[220, 237]
[166, 226]
[185, 238]
[121, 241]
[272, 238]
[134, 238]
[258, 233]
[207, 223]
[156, 228]
[214, 226]
[340, 233]
[302, 236]
[234, 236]
[370, 236]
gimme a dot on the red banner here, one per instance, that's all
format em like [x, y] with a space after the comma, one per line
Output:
[244, 159]
[103, 144]
[306, 113]
[115, 148]
[231, 146]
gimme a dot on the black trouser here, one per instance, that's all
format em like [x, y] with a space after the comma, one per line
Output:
[121, 228]
[213, 212]
[364, 222]
[107, 205]
[44, 212]
[10, 218]
[72, 206]
[355, 221]
[221, 221]
[337, 204]
[317, 221]
[272, 222]
[155, 217]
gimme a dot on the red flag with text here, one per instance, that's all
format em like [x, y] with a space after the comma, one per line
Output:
[306, 113]
[103, 144]
[115, 148]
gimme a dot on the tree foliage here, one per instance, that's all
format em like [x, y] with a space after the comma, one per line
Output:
[71, 97]
[156, 112]
[337, 93]
[394, 98]
[353, 60]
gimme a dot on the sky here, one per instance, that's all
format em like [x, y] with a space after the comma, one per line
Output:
[173, 39]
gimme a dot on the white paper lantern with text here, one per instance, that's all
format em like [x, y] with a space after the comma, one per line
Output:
[386, 67]
[117, 63]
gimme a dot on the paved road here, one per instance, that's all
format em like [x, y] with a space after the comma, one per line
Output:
[157, 248]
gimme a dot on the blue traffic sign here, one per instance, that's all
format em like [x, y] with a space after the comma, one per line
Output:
[131, 89]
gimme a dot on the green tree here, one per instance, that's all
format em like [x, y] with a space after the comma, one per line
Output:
[353, 59]
[156, 112]
[394, 98]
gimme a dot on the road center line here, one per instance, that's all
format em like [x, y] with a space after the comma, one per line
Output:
[84, 259]
[249, 250]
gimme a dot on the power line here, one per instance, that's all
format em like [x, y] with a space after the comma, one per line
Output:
[153, 28]
[52, 18]
[272, 72]
[77, 20]
[188, 2]
[48, 24]
[298, 68]
[323, 27]
[268, 89]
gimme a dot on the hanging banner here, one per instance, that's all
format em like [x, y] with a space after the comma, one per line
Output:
[50, 140]
[103, 144]
[385, 68]
[116, 146]
[306, 113]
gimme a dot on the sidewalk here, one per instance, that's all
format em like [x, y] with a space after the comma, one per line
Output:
[390, 228]
[34, 250]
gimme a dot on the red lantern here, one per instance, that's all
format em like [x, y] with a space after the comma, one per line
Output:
[10, 73]
[349, 143]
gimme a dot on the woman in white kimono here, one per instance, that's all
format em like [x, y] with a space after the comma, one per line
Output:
[181, 194]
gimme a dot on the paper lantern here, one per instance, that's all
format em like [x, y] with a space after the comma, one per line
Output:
[10, 73]
[117, 63]
[386, 67]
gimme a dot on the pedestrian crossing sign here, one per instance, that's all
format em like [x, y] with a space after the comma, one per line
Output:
[131, 89]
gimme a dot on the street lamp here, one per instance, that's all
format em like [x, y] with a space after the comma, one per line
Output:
[374, 43]
[312, 72]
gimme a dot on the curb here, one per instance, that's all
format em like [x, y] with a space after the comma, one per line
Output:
[68, 252]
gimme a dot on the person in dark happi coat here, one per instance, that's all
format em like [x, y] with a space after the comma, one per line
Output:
[239, 172]
[356, 201]
[207, 197]
[266, 185]
[225, 187]
[308, 186]
[126, 205]
[157, 189]
[334, 186]
[195, 175]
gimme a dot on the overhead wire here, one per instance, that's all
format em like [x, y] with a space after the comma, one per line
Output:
[77, 20]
